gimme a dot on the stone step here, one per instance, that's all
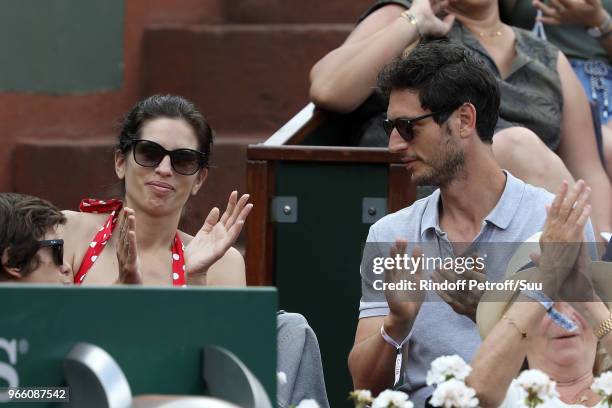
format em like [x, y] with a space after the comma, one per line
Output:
[245, 78]
[293, 11]
[65, 171]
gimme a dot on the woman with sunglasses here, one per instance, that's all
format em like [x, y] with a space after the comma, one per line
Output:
[162, 159]
[544, 134]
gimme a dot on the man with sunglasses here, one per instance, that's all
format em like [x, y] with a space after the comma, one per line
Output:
[30, 249]
[442, 110]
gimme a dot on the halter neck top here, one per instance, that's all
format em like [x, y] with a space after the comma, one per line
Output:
[96, 246]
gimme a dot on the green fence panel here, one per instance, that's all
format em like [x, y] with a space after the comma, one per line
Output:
[156, 335]
[318, 257]
[61, 46]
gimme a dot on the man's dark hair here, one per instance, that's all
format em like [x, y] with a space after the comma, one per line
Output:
[24, 220]
[164, 106]
[446, 75]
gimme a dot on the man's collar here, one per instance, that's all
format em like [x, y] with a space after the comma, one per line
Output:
[430, 218]
[507, 206]
[501, 215]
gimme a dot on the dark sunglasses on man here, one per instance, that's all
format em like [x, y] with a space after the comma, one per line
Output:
[57, 249]
[404, 126]
[183, 161]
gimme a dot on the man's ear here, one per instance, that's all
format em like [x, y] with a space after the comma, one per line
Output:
[467, 119]
[120, 161]
[200, 179]
[13, 272]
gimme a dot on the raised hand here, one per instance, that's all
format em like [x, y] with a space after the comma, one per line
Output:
[127, 249]
[463, 301]
[404, 305]
[429, 24]
[565, 222]
[216, 235]
[588, 13]
[562, 237]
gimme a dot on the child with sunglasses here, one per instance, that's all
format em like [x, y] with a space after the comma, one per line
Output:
[30, 249]
[162, 159]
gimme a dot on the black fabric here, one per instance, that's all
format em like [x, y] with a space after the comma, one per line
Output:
[608, 255]
[381, 3]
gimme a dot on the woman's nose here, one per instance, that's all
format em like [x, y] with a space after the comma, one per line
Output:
[164, 166]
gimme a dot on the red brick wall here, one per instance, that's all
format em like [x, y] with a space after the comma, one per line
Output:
[244, 62]
[31, 116]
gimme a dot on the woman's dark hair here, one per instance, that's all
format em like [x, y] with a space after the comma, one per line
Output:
[164, 106]
[446, 75]
[25, 220]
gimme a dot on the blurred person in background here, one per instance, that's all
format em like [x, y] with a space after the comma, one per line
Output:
[545, 132]
[583, 32]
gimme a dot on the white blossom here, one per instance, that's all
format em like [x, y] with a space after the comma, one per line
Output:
[537, 387]
[602, 386]
[447, 367]
[281, 377]
[454, 394]
[308, 403]
[392, 399]
[361, 397]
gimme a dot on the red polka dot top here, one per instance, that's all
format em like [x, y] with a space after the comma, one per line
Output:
[98, 243]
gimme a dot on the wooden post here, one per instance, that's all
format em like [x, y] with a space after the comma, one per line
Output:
[401, 190]
[259, 228]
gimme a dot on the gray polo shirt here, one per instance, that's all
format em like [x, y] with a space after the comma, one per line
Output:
[438, 330]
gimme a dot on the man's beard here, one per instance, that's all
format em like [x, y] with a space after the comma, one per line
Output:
[444, 167]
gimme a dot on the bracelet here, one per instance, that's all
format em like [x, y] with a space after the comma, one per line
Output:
[407, 14]
[390, 340]
[513, 323]
[604, 328]
[398, 349]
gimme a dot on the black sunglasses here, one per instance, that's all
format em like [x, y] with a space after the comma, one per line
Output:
[404, 126]
[57, 248]
[183, 161]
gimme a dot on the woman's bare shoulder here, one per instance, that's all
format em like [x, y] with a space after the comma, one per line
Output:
[80, 228]
[229, 270]
[78, 223]
[77, 232]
